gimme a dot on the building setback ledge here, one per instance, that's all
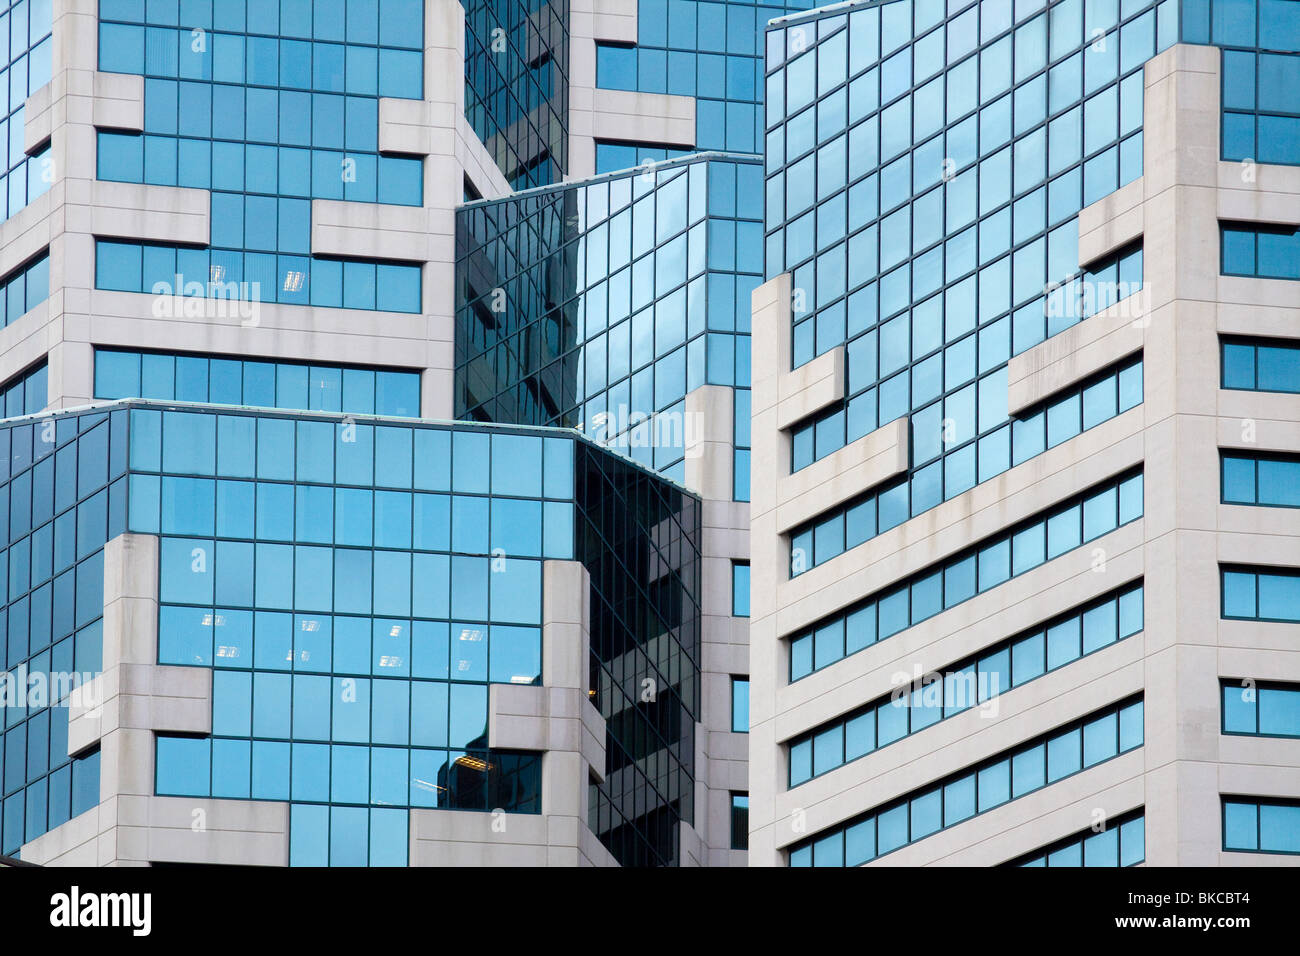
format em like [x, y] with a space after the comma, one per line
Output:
[810, 388]
[856, 468]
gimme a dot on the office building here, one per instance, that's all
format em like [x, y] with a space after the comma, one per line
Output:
[333, 542]
[1024, 379]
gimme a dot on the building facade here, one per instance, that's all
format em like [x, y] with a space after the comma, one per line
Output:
[1025, 573]
[385, 432]
[311, 565]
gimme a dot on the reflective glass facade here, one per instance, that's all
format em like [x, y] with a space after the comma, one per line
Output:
[269, 106]
[1096, 738]
[599, 306]
[26, 49]
[711, 51]
[1260, 69]
[977, 407]
[63, 495]
[1095, 400]
[517, 86]
[356, 585]
[926, 162]
[639, 538]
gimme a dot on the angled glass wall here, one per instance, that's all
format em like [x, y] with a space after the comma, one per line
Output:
[517, 86]
[269, 106]
[601, 305]
[356, 585]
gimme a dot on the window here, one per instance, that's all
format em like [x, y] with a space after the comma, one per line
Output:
[1096, 400]
[739, 821]
[1122, 842]
[233, 381]
[1261, 479]
[740, 705]
[1261, 825]
[1261, 594]
[1261, 709]
[25, 393]
[257, 116]
[1095, 513]
[974, 681]
[740, 588]
[1262, 365]
[24, 289]
[1006, 776]
[1263, 252]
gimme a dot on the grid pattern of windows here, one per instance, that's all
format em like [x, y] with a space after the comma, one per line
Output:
[638, 537]
[1010, 663]
[63, 494]
[26, 48]
[221, 381]
[600, 306]
[926, 163]
[1260, 71]
[517, 86]
[1099, 737]
[1262, 365]
[1261, 825]
[1261, 479]
[709, 51]
[355, 586]
[970, 408]
[1261, 710]
[338, 578]
[976, 569]
[24, 289]
[1264, 252]
[25, 393]
[1121, 842]
[1261, 594]
[1034, 430]
[268, 105]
